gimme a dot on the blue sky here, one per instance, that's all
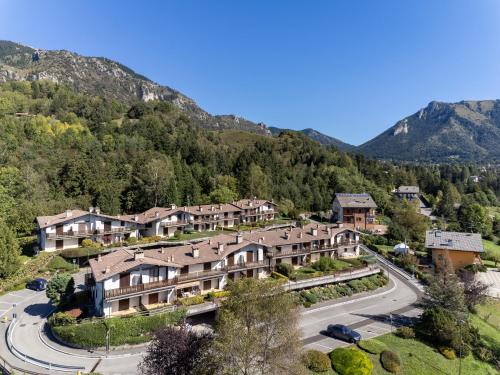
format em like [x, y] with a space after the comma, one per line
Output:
[347, 68]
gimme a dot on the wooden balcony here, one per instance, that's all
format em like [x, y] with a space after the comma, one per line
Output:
[89, 233]
[201, 274]
[139, 289]
[177, 223]
[247, 265]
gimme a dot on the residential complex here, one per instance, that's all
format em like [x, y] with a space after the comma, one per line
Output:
[354, 210]
[144, 278]
[456, 248]
[69, 229]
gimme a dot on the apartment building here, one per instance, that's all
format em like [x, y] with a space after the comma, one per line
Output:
[68, 229]
[411, 194]
[357, 211]
[130, 279]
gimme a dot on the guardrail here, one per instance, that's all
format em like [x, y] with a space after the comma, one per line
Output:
[35, 361]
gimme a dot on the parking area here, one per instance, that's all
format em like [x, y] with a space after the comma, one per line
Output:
[7, 301]
[367, 330]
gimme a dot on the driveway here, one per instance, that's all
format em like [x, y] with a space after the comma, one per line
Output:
[19, 297]
[491, 278]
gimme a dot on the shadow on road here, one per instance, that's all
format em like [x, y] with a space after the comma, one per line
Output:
[397, 319]
[38, 309]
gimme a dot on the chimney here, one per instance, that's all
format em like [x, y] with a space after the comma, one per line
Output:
[212, 208]
[210, 241]
[97, 210]
[328, 230]
[250, 203]
[107, 270]
[162, 250]
[301, 234]
[139, 255]
[287, 235]
[91, 209]
[220, 248]
[239, 238]
[220, 206]
[157, 214]
[437, 233]
[136, 218]
[261, 239]
[172, 258]
[314, 231]
[196, 252]
[69, 213]
[99, 258]
[173, 206]
[201, 209]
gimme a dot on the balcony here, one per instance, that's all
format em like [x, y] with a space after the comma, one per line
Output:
[259, 213]
[138, 289]
[247, 265]
[89, 233]
[177, 223]
[275, 253]
[201, 274]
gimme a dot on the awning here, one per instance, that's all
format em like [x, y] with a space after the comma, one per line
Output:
[188, 285]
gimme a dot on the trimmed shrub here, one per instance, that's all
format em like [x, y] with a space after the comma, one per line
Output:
[194, 300]
[372, 346]
[59, 263]
[278, 276]
[61, 319]
[350, 361]
[285, 269]
[448, 353]
[317, 361]
[124, 330]
[311, 298]
[390, 361]
[405, 332]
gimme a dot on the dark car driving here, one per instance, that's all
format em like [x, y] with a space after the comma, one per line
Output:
[340, 331]
[37, 284]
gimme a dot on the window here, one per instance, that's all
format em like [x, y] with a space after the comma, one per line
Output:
[154, 274]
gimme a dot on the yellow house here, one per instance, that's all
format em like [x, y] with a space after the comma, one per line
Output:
[457, 248]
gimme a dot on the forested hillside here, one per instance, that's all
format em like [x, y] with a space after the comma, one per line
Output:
[60, 149]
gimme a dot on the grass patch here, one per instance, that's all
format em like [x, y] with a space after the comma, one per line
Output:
[489, 312]
[124, 330]
[196, 235]
[58, 263]
[420, 359]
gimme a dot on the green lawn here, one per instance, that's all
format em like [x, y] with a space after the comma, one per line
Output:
[388, 249]
[490, 246]
[195, 235]
[421, 359]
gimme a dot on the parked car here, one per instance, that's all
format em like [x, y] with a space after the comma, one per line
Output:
[342, 332]
[37, 284]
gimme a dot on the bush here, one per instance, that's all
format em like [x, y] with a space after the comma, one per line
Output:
[285, 269]
[59, 263]
[60, 287]
[194, 300]
[483, 354]
[61, 319]
[372, 346]
[132, 241]
[278, 276]
[214, 295]
[350, 361]
[324, 264]
[390, 361]
[448, 353]
[475, 268]
[405, 332]
[89, 243]
[317, 361]
[124, 330]
[311, 298]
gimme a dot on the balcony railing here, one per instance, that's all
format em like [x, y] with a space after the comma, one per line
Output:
[89, 233]
[139, 288]
[306, 250]
[174, 223]
[247, 265]
[201, 274]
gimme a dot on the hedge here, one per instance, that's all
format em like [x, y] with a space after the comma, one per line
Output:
[372, 346]
[317, 361]
[194, 300]
[59, 263]
[390, 361]
[124, 330]
[350, 361]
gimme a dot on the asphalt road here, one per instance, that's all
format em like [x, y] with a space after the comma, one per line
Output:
[368, 315]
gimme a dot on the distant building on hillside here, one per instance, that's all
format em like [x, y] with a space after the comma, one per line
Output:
[411, 194]
[459, 249]
[354, 210]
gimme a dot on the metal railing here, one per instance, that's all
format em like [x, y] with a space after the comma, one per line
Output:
[111, 293]
[174, 223]
[201, 274]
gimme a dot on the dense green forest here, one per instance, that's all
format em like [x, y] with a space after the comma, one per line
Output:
[60, 149]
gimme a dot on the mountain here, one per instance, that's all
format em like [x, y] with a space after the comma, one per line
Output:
[321, 138]
[440, 132]
[107, 78]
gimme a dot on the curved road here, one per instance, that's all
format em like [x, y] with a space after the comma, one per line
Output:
[367, 314]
